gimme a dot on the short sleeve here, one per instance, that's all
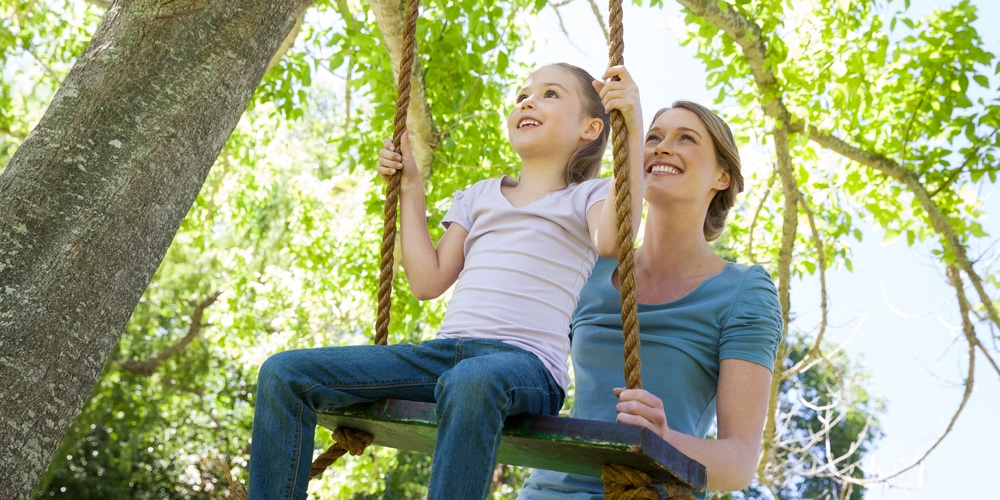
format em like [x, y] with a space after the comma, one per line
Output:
[753, 329]
[459, 213]
[596, 190]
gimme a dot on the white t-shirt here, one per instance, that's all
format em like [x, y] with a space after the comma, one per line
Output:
[524, 268]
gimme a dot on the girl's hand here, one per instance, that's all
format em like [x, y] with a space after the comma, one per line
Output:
[622, 95]
[390, 162]
[641, 408]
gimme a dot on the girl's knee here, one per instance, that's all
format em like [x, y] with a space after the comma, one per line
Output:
[277, 367]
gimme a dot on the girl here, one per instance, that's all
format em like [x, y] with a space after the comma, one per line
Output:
[520, 250]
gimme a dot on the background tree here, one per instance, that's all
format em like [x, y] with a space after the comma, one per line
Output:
[87, 220]
[279, 249]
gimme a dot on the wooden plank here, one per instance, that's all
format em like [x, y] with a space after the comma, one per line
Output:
[540, 441]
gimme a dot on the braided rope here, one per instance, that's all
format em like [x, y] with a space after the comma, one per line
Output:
[622, 482]
[348, 440]
[623, 206]
[392, 184]
[345, 440]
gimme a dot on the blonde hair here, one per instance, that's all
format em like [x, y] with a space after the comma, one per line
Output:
[728, 157]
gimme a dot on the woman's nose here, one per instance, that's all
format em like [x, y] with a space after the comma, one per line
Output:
[662, 149]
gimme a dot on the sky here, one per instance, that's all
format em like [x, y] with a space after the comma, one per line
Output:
[894, 314]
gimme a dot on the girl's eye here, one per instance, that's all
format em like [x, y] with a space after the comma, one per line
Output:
[652, 138]
[521, 97]
[687, 137]
[551, 93]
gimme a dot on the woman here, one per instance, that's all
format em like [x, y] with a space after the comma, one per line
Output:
[709, 329]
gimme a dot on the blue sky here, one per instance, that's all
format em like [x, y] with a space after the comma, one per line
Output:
[894, 314]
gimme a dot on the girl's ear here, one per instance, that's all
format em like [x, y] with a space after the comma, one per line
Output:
[593, 130]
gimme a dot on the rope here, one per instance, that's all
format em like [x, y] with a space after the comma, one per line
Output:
[348, 440]
[625, 483]
[623, 205]
[622, 482]
[392, 184]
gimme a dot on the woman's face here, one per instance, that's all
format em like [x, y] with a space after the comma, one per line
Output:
[679, 156]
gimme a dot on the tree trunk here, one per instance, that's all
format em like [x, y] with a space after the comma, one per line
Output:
[93, 197]
[390, 15]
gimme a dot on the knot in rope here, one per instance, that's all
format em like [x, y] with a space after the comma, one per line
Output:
[625, 483]
[346, 440]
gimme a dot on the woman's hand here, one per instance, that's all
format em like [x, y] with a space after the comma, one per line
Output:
[390, 162]
[641, 408]
[621, 94]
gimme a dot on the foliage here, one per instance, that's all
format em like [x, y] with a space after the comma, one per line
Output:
[38, 44]
[287, 229]
[828, 423]
[287, 226]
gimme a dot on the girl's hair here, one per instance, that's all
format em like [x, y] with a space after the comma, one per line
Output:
[586, 162]
[728, 158]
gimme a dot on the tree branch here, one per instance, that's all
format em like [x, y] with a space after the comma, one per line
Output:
[814, 351]
[419, 122]
[939, 222]
[956, 282]
[756, 214]
[750, 38]
[148, 366]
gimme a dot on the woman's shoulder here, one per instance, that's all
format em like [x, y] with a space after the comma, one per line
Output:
[747, 272]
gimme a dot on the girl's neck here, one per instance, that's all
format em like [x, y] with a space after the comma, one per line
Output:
[542, 176]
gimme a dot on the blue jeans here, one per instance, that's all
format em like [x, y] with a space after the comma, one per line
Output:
[475, 383]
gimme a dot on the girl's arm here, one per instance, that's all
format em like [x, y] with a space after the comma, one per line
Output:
[430, 270]
[730, 459]
[602, 219]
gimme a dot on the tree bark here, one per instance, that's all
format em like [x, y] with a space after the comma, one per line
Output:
[95, 194]
[419, 121]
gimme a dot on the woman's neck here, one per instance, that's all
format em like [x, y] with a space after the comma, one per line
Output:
[675, 245]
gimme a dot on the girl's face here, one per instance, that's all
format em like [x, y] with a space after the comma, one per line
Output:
[679, 155]
[548, 115]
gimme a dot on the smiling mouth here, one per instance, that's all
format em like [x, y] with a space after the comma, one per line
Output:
[664, 169]
[528, 122]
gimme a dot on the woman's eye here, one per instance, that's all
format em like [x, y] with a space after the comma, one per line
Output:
[652, 138]
[687, 137]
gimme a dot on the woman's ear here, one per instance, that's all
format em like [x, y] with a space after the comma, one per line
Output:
[594, 128]
[722, 183]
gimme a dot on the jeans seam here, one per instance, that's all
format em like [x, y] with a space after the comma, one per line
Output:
[298, 452]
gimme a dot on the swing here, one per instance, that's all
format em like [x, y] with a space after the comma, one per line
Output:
[626, 457]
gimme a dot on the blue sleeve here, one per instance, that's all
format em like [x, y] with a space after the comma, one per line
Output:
[753, 329]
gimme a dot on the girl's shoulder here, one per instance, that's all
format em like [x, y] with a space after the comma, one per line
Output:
[480, 187]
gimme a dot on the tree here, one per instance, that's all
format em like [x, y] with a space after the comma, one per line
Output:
[88, 215]
[279, 248]
[909, 135]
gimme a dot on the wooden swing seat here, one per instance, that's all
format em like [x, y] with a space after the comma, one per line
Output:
[540, 441]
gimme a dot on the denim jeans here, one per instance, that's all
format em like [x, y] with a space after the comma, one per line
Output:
[475, 383]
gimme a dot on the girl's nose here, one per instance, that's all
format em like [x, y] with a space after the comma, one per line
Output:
[527, 102]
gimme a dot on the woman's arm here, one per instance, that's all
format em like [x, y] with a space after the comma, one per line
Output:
[741, 403]
[622, 95]
[429, 270]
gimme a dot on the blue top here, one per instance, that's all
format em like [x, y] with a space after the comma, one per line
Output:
[734, 314]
